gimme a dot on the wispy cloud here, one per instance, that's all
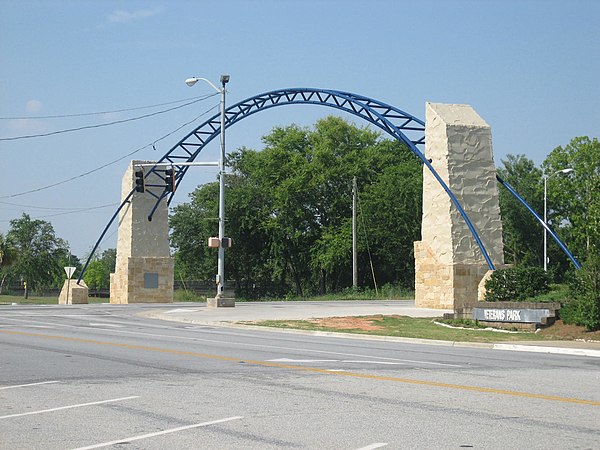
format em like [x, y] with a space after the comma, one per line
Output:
[121, 16]
[33, 106]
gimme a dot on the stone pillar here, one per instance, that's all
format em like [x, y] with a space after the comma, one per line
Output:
[73, 293]
[448, 263]
[144, 268]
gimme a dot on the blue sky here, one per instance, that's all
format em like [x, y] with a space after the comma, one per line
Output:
[530, 68]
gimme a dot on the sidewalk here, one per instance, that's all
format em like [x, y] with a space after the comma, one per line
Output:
[251, 311]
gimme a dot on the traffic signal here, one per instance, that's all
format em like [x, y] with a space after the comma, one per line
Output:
[139, 181]
[170, 180]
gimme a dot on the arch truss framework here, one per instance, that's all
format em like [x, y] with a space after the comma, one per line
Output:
[402, 126]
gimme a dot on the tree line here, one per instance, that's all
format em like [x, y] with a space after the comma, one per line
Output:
[288, 210]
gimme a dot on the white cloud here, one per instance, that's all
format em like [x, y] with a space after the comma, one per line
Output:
[33, 106]
[121, 16]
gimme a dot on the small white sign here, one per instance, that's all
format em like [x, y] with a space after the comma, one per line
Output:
[70, 271]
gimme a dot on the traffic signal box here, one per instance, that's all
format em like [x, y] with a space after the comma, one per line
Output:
[140, 185]
[170, 180]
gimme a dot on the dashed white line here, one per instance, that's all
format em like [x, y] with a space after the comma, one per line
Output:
[373, 446]
[68, 407]
[303, 360]
[28, 384]
[391, 363]
[158, 433]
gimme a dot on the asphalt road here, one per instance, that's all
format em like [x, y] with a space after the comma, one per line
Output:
[97, 376]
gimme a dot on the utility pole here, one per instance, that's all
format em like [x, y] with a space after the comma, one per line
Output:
[354, 246]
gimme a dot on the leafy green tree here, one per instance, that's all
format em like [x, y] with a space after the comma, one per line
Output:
[191, 226]
[574, 203]
[37, 252]
[97, 274]
[288, 210]
[583, 308]
[7, 256]
[521, 233]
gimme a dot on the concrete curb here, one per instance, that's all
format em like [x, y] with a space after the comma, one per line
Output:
[458, 344]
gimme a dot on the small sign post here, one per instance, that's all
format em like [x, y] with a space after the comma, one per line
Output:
[69, 271]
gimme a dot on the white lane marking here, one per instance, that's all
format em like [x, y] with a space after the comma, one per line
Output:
[332, 360]
[375, 362]
[105, 324]
[172, 311]
[373, 446]
[68, 407]
[158, 433]
[29, 384]
[246, 344]
[302, 360]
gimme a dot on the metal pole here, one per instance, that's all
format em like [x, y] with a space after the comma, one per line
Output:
[221, 263]
[354, 246]
[546, 223]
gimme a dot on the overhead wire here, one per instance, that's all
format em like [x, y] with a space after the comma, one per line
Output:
[115, 122]
[72, 211]
[98, 113]
[58, 183]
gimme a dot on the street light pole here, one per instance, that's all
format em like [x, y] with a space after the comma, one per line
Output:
[221, 258]
[567, 170]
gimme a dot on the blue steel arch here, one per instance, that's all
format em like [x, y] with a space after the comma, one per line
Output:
[404, 127]
[390, 119]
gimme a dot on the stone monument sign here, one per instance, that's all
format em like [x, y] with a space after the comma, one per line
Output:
[449, 265]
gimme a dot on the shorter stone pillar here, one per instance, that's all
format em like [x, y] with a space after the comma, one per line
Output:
[144, 268]
[73, 293]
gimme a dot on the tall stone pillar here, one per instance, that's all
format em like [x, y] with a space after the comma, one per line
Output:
[144, 268]
[448, 262]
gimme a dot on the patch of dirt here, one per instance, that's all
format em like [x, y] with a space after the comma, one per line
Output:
[563, 331]
[345, 323]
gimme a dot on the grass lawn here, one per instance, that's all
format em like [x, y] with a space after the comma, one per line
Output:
[423, 328]
[20, 300]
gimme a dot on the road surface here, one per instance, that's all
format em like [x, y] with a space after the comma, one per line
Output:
[100, 376]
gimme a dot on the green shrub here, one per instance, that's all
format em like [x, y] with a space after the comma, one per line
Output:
[516, 284]
[584, 307]
[181, 295]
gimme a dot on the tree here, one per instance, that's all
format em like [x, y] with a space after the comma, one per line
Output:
[521, 233]
[7, 255]
[574, 203]
[37, 252]
[288, 209]
[97, 274]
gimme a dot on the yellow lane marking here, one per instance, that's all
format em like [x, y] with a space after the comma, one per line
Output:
[314, 369]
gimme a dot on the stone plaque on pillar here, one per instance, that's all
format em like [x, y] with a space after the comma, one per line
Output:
[144, 268]
[448, 262]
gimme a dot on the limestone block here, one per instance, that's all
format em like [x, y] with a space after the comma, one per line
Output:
[73, 293]
[448, 262]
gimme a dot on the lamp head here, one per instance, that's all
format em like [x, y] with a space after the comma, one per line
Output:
[224, 79]
[567, 170]
[191, 81]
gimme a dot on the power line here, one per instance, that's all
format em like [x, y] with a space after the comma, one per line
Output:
[109, 163]
[75, 210]
[98, 113]
[115, 122]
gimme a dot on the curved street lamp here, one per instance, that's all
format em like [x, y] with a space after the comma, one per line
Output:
[221, 264]
[567, 170]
